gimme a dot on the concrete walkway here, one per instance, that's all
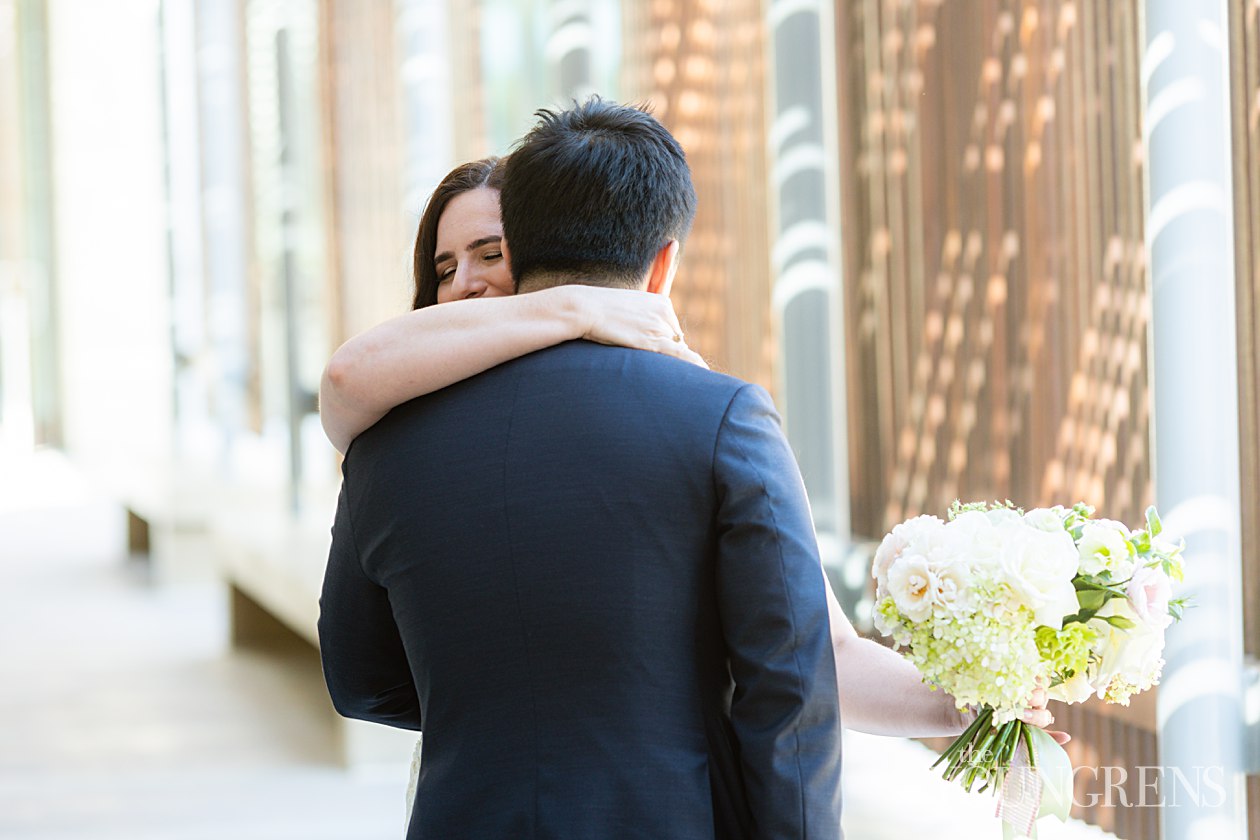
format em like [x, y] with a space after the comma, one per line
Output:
[125, 714]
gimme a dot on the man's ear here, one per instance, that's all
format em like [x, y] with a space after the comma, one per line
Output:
[664, 266]
[507, 261]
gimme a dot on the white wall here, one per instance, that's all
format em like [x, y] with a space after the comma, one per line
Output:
[110, 228]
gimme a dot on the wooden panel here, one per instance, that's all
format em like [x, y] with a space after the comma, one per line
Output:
[996, 286]
[994, 251]
[468, 112]
[369, 231]
[1245, 91]
[701, 66]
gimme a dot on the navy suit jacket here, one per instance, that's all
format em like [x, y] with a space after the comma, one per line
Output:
[590, 576]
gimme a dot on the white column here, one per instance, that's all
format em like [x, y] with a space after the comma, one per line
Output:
[808, 287]
[113, 283]
[1189, 232]
[224, 210]
[424, 32]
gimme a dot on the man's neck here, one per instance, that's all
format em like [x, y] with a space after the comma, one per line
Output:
[540, 280]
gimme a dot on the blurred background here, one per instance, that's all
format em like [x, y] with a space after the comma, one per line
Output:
[929, 227]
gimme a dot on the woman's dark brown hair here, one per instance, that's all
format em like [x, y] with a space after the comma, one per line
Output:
[487, 172]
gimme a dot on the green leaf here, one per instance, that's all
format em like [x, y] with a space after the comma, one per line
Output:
[1082, 617]
[1091, 599]
[1178, 606]
[1142, 542]
[1172, 568]
[1098, 584]
[1056, 774]
[1152, 521]
[1120, 621]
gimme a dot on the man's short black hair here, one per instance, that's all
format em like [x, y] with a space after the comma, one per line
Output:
[593, 193]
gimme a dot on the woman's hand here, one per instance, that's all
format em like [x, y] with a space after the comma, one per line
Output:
[1039, 716]
[634, 319]
[427, 349]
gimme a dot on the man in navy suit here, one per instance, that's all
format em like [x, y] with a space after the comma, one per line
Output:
[590, 574]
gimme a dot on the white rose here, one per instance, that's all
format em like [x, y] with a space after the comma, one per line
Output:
[918, 531]
[1038, 566]
[1148, 592]
[1045, 519]
[1105, 546]
[953, 584]
[1076, 690]
[912, 586]
[890, 549]
[969, 522]
[972, 535]
[1134, 654]
[1000, 516]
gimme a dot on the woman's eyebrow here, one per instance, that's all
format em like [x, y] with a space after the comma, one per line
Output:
[485, 240]
[471, 246]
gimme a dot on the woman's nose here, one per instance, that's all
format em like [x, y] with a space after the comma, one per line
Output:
[468, 283]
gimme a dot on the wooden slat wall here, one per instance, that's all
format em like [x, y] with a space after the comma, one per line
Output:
[1245, 90]
[702, 67]
[371, 226]
[469, 117]
[996, 288]
[369, 236]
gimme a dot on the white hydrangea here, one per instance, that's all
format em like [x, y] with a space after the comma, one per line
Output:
[978, 660]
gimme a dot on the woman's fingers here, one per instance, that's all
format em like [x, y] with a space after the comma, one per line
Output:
[641, 320]
[674, 342]
[1038, 715]
[1040, 718]
[1039, 698]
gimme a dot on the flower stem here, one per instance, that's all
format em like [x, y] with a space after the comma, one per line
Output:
[966, 738]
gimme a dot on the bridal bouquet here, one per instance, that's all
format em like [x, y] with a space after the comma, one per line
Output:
[996, 601]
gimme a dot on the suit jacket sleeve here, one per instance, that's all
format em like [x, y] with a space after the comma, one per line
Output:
[365, 663]
[785, 709]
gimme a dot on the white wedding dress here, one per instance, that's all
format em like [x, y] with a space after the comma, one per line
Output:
[415, 779]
